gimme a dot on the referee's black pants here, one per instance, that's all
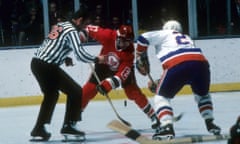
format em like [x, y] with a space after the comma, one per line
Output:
[53, 79]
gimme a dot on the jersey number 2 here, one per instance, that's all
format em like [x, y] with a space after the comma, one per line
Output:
[181, 39]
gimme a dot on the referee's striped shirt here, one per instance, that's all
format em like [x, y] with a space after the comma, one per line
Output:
[62, 39]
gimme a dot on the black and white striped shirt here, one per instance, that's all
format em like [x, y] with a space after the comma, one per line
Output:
[63, 39]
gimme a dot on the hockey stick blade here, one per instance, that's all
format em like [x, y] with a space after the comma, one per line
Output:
[138, 137]
[125, 122]
[127, 131]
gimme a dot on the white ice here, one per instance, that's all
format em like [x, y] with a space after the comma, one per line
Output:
[17, 122]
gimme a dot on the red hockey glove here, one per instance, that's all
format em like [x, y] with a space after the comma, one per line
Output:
[104, 87]
[108, 84]
[101, 90]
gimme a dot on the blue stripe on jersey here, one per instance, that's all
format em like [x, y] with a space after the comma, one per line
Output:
[181, 51]
[143, 40]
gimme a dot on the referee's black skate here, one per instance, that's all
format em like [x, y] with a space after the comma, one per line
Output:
[71, 133]
[164, 133]
[212, 128]
[39, 133]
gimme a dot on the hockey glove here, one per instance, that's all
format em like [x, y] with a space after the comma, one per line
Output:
[108, 84]
[68, 61]
[152, 86]
[101, 59]
[142, 63]
[101, 90]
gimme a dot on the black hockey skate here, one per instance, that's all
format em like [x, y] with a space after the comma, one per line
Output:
[212, 128]
[39, 133]
[164, 132]
[155, 122]
[70, 132]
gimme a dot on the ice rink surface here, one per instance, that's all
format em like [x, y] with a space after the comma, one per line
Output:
[17, 122]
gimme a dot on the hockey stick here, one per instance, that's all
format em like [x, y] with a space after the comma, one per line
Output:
[138, 137]
[108, 98]
[178, 117]
[150, 77]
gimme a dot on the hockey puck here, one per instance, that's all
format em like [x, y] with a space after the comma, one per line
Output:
[125, 103]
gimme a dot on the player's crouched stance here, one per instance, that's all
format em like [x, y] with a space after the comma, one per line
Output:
[182, 64]
[235, 133]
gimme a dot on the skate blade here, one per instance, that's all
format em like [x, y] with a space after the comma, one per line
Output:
[215, 132]
[73, 138]
[39, 139]
[163, 137]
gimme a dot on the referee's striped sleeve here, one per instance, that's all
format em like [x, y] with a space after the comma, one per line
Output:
[79, 50]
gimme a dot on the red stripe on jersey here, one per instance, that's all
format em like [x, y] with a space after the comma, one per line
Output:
[182, 58]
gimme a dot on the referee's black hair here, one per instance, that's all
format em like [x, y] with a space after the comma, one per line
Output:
[82, 12]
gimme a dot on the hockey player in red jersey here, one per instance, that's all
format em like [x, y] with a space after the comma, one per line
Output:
[118, 69]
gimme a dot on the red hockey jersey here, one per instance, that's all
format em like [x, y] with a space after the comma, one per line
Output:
[119, 61]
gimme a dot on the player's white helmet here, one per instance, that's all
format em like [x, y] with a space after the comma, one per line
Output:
[172, 25]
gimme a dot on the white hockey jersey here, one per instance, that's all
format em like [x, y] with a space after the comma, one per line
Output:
[171, 47]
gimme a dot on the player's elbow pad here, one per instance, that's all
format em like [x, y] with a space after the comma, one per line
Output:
[142, 44]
